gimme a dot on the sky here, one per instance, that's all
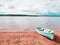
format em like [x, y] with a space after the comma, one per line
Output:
[33, 7]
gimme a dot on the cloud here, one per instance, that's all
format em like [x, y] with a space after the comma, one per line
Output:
[37, 7]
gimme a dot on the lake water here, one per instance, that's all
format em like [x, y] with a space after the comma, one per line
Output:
[28, 23]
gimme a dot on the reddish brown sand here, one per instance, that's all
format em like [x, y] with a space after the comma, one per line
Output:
[24, 38]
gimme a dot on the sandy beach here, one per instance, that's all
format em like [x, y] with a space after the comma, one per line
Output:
[24, 38]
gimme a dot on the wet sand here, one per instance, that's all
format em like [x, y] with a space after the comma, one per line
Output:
[24, 38]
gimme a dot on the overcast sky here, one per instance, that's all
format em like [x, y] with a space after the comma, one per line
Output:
[29, 6]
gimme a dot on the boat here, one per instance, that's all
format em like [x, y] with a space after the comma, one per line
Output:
[45, 32]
